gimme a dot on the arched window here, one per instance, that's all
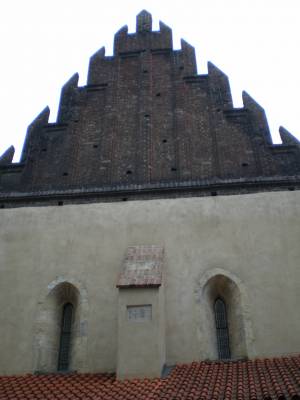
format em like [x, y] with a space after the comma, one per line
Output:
[222, 329]
[65, 337]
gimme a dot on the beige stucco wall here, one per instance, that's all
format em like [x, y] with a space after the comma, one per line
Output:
[141, 344]
[251, 239]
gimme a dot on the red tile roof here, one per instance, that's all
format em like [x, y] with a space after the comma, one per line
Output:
[268, 379]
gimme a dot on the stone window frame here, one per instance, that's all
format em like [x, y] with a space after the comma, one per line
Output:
[48, 322]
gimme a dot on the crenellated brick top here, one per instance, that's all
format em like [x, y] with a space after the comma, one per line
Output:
[146, 118]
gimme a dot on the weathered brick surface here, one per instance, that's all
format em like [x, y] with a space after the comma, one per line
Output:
[146, 118]
[142, 267]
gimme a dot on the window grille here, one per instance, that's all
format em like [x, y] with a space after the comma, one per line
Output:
[222, 329]
[65, 338]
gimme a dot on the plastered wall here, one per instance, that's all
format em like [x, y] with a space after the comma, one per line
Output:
[253, 240]
[141, 343]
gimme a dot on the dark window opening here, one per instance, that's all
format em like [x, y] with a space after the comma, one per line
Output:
[291, 188]
[95, 146]
[164, 141]
[65, 174]
[44, 149]
[222, 329]
[157, 94]
[129, 172]
[145, 71]
[147, 116]
[245, 164]
[60, 203]
[65, 338]
[214, 193]
[173, 169]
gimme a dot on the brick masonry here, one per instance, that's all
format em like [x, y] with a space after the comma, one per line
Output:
[142, 267]
[146, 119]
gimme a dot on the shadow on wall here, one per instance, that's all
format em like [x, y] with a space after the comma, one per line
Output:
[224, 325]
[60, 330]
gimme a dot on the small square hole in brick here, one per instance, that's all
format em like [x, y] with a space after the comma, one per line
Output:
[128, 172]
[245, 164]
[164, 141]
[158, 94]
[60, 203]
[65, 174]
[173, 169]
[95, 146]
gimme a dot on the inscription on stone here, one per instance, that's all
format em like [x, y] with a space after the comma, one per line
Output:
[139, 313]
[141, 265]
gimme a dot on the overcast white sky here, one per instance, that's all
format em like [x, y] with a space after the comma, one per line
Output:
[43, 42]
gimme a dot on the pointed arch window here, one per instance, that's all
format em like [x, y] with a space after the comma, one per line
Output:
[222, 329]
[65, 338]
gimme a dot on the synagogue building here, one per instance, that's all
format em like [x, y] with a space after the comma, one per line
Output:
[151, 232]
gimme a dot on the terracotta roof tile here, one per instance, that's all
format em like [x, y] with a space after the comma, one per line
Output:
[273, 379]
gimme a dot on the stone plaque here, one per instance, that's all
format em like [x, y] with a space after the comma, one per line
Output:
[139, 313]
[141, 266]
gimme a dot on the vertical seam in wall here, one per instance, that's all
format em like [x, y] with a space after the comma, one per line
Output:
[174, 114]
[115, 97]
[213, 129]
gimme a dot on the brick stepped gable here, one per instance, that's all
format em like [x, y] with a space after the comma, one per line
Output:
[147, 121]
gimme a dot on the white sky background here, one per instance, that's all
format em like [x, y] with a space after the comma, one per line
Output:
[43, 42]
